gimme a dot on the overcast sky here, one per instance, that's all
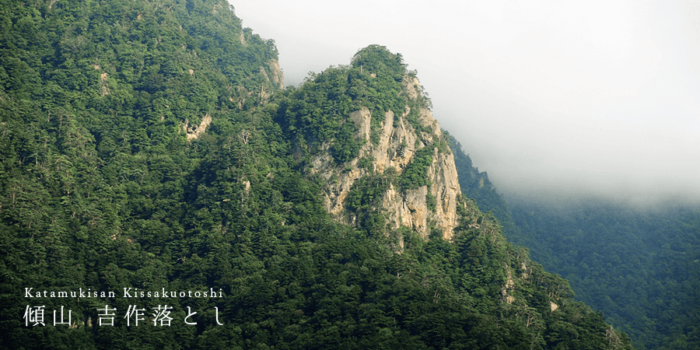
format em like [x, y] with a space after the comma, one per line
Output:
[577, 97]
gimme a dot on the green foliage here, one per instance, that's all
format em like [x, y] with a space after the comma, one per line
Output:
[431, 201]
[640, 266]
[612, 256]
[378, 60]
[366, 163]
[416, 173]
[364, 201]
[318, 112]
[367, 191]
[345, 148]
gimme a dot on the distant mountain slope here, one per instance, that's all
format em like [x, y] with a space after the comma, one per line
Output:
[640, 266]
[476, 185]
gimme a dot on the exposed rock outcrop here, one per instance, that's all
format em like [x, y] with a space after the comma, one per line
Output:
[262, 94]
[193, 132]
[276, 73]
[445, 188]
[412, 87]
[103, 84]
[397, 144]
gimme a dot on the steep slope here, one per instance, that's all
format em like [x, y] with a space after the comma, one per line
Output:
[639, 266]
[147, 146]
[409, 148]
[346, 134]
[476, 185]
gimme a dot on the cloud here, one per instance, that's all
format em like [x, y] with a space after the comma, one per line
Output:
[592, 97]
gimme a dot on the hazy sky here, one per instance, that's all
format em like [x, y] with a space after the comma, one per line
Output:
[593, 97]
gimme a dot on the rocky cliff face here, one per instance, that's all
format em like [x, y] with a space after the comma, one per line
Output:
[398, 142]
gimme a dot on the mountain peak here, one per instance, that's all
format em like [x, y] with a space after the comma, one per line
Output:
[378, 59]
[378, 148]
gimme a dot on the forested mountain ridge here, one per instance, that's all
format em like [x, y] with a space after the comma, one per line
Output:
[640, 265]
[148, 145]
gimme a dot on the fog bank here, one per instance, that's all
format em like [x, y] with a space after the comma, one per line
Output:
[572, 99]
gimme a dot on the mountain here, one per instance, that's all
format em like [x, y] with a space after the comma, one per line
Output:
[376, 145]
[476, 185]
[162, 187]
[639, 265]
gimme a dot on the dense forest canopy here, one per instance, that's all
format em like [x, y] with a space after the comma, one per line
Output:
[147, 145]
[640, 265]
